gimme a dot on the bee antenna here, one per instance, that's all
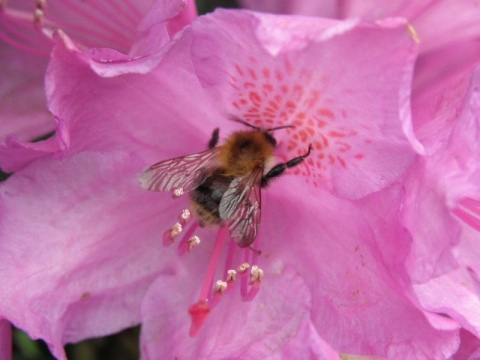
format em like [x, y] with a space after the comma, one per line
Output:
[236, 119]
[281, 127]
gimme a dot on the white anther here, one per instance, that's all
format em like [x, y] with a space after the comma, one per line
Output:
[192, 242]
[220, 286]
[177, 192]
[38, 17]
[256, 274]
[244, 267]
[184, 216]
[231, 275]
[175, 230]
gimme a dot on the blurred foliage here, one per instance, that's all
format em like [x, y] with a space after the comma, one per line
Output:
[206, 6]
[121, 346]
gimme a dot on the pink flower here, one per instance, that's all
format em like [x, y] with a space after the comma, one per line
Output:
[112, 33]
[325, 274]
[80, 248]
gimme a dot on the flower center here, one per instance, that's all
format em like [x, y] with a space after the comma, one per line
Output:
[279, 93]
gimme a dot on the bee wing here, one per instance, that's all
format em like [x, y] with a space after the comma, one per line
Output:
[241, 205]
[186, 172]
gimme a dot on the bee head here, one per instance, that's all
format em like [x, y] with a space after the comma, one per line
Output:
[266, 132]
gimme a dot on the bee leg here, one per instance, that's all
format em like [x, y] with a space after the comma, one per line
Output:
[256, 251]
[279, 169]
[214, 140]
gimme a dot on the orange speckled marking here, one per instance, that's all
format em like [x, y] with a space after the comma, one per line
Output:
[239, 69]
[281, 94]
[266, 73]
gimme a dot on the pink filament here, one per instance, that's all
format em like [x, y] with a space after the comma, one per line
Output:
[249, 293]
[217, 251]
[469, 212]
[18, 32]
[199, 311]
[229, 259]
[183, 245]
[252, 292]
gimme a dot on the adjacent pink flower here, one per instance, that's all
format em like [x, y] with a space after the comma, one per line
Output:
[327, 8]
[457, 18]
[446, 248]
[114, 34]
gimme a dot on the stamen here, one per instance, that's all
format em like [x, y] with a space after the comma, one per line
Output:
[253, 291]
[38, 16]
[177, 192]
[16, 31]
[249, 287]
[243, 268]
[41, 5]
[184, 216]
[231, 276]
[256, 274]
[186, 244]
[171, 234]
[212, 292]
[218, 290]
[192, 242]
[220, 287]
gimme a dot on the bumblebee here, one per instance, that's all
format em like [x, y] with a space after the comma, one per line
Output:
[224, 182]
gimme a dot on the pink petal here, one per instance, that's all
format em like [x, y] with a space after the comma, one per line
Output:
[454, 294]
[358, 148]
[351, 256]
[469, 347]
[430, 222]
[448, 174]
[80, 246]
[441, 79]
